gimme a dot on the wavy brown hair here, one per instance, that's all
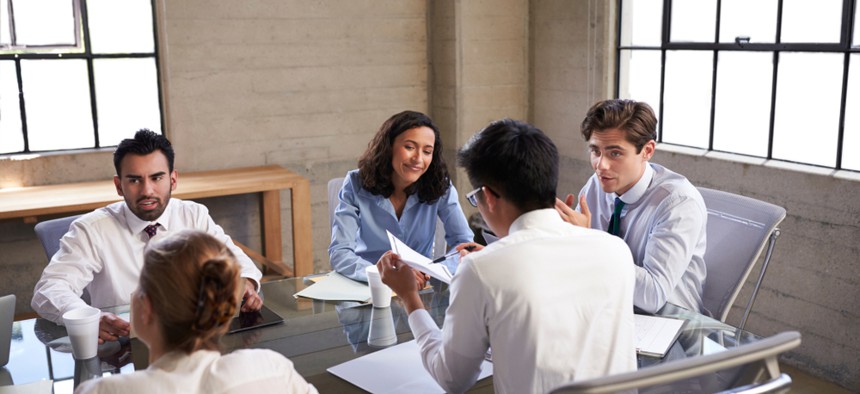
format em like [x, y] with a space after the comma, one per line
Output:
[635, 118]
[374, 166]
[192, 281]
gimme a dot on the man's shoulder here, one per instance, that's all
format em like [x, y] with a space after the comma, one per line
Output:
[109, 214]
[670, 184]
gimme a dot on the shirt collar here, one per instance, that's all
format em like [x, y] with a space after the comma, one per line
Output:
[638, 190]
[136, 225]
[536, 218]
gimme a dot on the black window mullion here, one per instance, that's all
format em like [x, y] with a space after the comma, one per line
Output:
[774, 81]
[22, 106]
[715, 60]
[842, 111]
[664, 38]
[88, 52]
[157, 55]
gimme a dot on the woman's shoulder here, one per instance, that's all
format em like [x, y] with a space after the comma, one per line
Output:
[256, 361]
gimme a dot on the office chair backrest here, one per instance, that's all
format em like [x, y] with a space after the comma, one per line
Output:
[739, 228]
[750, 362]
[51, 231]
[334, 186]
[7, 317]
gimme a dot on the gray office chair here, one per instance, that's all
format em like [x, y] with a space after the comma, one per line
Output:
[750, 368]
[739, 229]
[51, 231]
[334, 186]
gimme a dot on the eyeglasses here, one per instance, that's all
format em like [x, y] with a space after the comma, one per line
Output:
[472, 196]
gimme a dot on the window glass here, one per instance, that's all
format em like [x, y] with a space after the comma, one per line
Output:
[640, 80]
[755, 19]
[643, 21]
[5, 37]
[44, 22]
[693, 20]
[851, 141]
[807, 21]
[742, 102]
[807, 107]
[687, 98]
[11, 138]
[120, 26]
[57, 118]
[127, 98]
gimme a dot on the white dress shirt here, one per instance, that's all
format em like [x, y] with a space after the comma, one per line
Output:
[103, 252]
[205, 371]
[554, 301]
[664, 221]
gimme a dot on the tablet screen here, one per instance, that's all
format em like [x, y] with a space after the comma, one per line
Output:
[249, 320]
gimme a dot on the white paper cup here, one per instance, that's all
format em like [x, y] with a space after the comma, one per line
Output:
[82, 325]
[381, 333]
[380, 293]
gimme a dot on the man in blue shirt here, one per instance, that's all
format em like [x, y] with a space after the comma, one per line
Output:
[658, 213]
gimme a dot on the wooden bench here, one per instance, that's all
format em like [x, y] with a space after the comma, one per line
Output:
[28, 203]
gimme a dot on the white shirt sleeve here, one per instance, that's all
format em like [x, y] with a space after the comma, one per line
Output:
[454, 354]
[70, 270]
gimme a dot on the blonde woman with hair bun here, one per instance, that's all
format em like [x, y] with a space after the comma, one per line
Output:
[189, 289]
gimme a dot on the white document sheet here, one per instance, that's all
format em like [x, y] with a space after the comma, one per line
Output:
[419, 261]
[336, 287]
[397, 369]
[655, 334]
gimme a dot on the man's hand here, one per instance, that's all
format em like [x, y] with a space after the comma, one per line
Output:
[401, 278]
[251, 301]
[570, 215]
[468, 247]
[111, 327]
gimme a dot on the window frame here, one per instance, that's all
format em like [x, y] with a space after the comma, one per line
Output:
[83, 50]
[844, 47]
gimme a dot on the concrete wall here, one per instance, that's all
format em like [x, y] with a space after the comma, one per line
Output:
[302, 84]
[305, 84]
[812, 285]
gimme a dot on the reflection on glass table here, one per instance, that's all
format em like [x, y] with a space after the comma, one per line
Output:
[315, 335]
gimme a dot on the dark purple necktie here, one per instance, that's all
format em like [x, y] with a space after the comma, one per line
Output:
[151, 230]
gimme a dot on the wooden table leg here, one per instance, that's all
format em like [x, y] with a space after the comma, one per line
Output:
[271, 219]
[303, 257]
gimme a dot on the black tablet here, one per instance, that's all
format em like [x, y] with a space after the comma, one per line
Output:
[250, 320]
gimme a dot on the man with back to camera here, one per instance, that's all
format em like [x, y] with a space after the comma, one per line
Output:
[568, 312]
[103, 250]
[661, 215]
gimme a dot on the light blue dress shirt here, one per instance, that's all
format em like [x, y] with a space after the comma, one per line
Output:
[663, 221]
[358, 236]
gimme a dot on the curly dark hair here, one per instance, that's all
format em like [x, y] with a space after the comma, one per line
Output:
[145, 141]
[374, 166]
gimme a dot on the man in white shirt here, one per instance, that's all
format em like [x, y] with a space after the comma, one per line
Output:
[661, 215]
[103, 250]
[554, 301]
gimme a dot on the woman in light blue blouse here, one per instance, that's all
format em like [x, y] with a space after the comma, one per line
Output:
[401, 185]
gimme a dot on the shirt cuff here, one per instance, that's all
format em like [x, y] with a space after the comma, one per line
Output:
[421, 323]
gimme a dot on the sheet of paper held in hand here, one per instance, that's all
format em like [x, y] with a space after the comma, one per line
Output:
[418, 261]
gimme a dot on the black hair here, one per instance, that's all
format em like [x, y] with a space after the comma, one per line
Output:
[375, 170]
[515, 160]
[145, 141]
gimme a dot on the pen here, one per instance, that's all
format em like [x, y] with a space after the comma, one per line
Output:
[453, 252]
